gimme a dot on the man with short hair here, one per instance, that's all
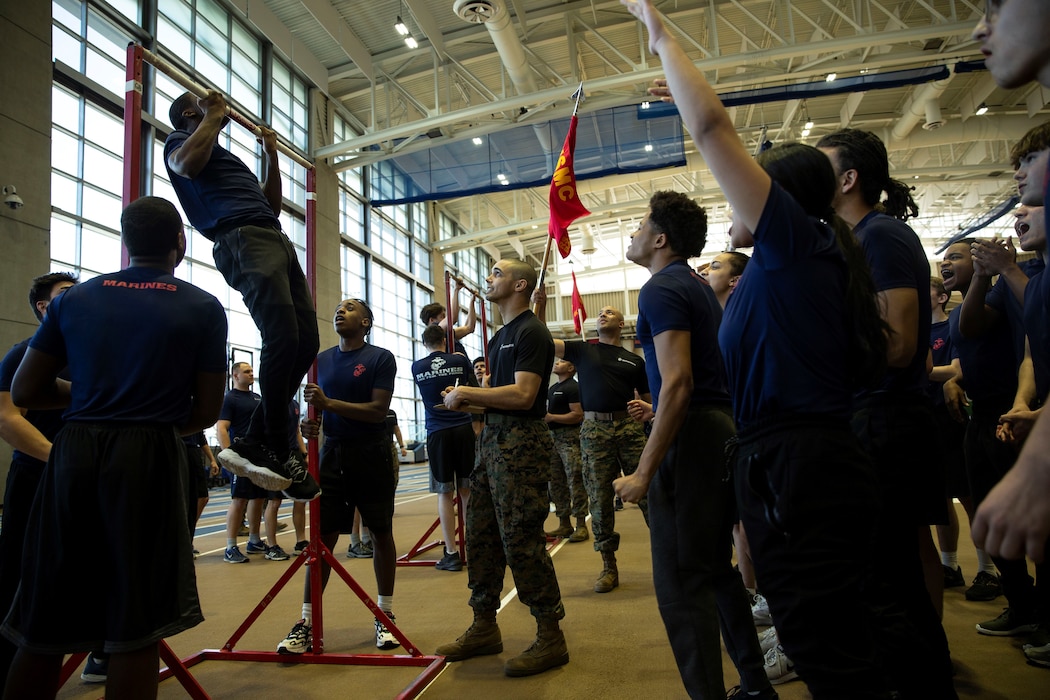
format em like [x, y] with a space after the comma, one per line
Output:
[117, 467]
[238, 407]
[683, 468]
[355, 381]
[224, 201]
[433, 314]
[611, 441]
[450, 438]
[29, 433]
[564, 415]
[508, 499]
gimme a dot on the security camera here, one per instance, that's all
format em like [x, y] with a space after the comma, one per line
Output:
[11, 198]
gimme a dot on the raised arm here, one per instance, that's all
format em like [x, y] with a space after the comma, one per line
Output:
[190, 158]
[745, 185]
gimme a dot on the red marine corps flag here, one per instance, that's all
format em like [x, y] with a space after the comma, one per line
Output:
[579, 314]
[565, 202]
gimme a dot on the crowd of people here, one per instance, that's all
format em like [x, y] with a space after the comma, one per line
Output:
[805, 402]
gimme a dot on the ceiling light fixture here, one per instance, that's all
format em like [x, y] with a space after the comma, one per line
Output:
[648, 147]
[830, 78]
[401, 27]
[808, 122]
[410, 42]
[981, 109]
[477, 141]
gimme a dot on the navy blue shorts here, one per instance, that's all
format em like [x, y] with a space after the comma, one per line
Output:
[133, 582]
[357, 473]
[451, 454]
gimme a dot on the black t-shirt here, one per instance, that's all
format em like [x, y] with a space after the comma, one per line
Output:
[608, 375]
[523, 345]
[559, 396]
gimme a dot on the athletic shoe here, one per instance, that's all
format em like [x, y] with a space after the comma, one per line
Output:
[300, 546]
[281, 527]
[450, 562]
[256, 547]
[618, 503]
[1009, 624]
[768, 639]
[760, 611]
[953, 578]
[1037, 650]
[299, 641]
[304, 487]
[233, 556]
[737, 693]
[255, 462]
[275, 553]
[384, 639]
[196, 553]
[359, 551]
[95, 669]
[242, 531]
[985, 587]
[779, 668]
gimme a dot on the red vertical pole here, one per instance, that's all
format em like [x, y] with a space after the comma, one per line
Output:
[132, 133]
[484, 334]
[450, 323]
[313, 453]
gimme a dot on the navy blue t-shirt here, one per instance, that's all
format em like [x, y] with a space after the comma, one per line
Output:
[433, 374]
[897, 261]
[1001, 298]
[943, 353]
[559, 396]
[1037, 326]
[609, 375]
[238, 407]
[676, 299]
[351, 376]
[523, 345]
[988, 366]
[224, 195]
[47, 422]
[118, 331]
[785, 332]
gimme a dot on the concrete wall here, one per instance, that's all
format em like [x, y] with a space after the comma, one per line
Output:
[25, 163]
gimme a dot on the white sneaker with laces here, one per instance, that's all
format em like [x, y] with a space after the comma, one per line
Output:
[760, 610]
[768, 639]
[384, 638]
[299, 640]
[779, 668]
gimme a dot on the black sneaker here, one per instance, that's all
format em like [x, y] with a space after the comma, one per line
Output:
[985, 587]
[1009, 624]
[304, 487]
[95, 670]
[301, 545]
[255, 462]
[953, 578]
[450, 562]
[618, 503]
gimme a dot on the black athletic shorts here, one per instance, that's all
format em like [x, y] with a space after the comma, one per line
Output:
[357, 473]
[451, 454]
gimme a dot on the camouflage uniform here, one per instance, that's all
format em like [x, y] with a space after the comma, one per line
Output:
[609, 447]
[508, 504]
[566, 487]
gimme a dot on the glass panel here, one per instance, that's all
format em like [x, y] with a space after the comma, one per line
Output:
[128, 8]
[100, 251]
[173, 38]
[212, 39]
[104, 129]
[101, 207]
[245, 41]
[64, 193]
[65, 152]
[67, 13]
[105, 71]
[212, 68]
[180, 13]
[63, 240]
[103, 170]
[212, 12]
[65, 48]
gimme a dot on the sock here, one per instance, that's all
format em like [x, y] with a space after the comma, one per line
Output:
[308, 613]
[448, 552]
[751, 592]
[985, 563]
[950, 559]
[366, 537]
[254, 539]
[386, 603]
[231, 542]
[355, 539]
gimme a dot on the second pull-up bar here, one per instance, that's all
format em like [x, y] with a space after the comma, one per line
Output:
[200, 91]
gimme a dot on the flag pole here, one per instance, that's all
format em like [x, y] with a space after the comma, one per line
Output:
[550, 239]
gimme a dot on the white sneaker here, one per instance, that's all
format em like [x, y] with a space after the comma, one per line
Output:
[760, 611]
[384, 637]
[779, 668]
[299, 640]
[768, 639]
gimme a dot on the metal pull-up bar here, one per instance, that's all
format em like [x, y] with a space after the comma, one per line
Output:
[450, 330]
[200, 91]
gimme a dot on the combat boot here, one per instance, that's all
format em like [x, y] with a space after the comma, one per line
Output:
[481, 638]
[609, 578]
[580, 533]
[563, 530]
[546, 652]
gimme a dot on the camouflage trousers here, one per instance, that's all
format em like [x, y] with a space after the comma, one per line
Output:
[609, 447]
[566, 485]
[508, 504]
